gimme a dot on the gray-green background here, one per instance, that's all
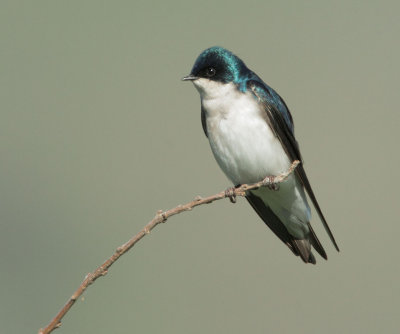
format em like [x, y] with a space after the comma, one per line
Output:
[97, 133]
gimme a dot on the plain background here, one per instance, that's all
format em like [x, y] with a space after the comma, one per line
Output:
[97, 133]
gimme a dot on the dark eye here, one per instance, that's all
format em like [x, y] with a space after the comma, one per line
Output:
[210, 72]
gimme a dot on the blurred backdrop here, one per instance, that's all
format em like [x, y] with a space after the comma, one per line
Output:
[97, 133]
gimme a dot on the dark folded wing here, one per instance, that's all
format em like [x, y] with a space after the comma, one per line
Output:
[271, 220]
[203, 121]
[278, 117]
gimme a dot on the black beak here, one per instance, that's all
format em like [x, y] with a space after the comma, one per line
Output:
[189, 77]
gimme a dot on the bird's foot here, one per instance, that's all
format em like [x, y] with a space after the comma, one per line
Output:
[269, 181]
[230, 193]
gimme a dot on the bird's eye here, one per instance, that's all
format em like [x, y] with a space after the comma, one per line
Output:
[210, 72]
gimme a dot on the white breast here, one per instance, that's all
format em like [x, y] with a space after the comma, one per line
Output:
[247, 150]
[242, 141]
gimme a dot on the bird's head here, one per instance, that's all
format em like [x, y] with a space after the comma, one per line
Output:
[214, 67]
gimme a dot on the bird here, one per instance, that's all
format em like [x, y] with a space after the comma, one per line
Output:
[251, 134]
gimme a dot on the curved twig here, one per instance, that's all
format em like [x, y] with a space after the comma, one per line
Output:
[160, 217]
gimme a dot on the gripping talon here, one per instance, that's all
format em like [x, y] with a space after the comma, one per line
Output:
[274, 186]
[269, 181]
[230, 193]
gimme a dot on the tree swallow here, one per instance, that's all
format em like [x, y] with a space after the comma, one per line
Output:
[251, 134]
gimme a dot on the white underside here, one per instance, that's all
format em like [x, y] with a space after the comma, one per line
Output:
[247, 150]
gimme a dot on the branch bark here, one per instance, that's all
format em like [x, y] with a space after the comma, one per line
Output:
[161, 217]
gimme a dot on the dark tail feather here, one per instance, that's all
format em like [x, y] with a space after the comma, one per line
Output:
[303, 177]
[311, 259]
[316, 244]
[303, 247]
[299, 247]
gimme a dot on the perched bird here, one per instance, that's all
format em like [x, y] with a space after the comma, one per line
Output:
[251, 134]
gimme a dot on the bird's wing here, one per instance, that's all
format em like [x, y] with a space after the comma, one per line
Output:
[203, 120]
[278, 117]
[298, 247]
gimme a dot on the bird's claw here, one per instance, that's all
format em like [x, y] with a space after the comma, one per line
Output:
[230, 193]
[269, 181]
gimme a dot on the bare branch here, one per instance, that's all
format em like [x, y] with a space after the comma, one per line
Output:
[161, 217]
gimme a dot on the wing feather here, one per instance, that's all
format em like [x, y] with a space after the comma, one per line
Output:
[279, 119]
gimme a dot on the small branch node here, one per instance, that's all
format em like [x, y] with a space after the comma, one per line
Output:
[163, 216]
[198, 198]
[241, 192]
